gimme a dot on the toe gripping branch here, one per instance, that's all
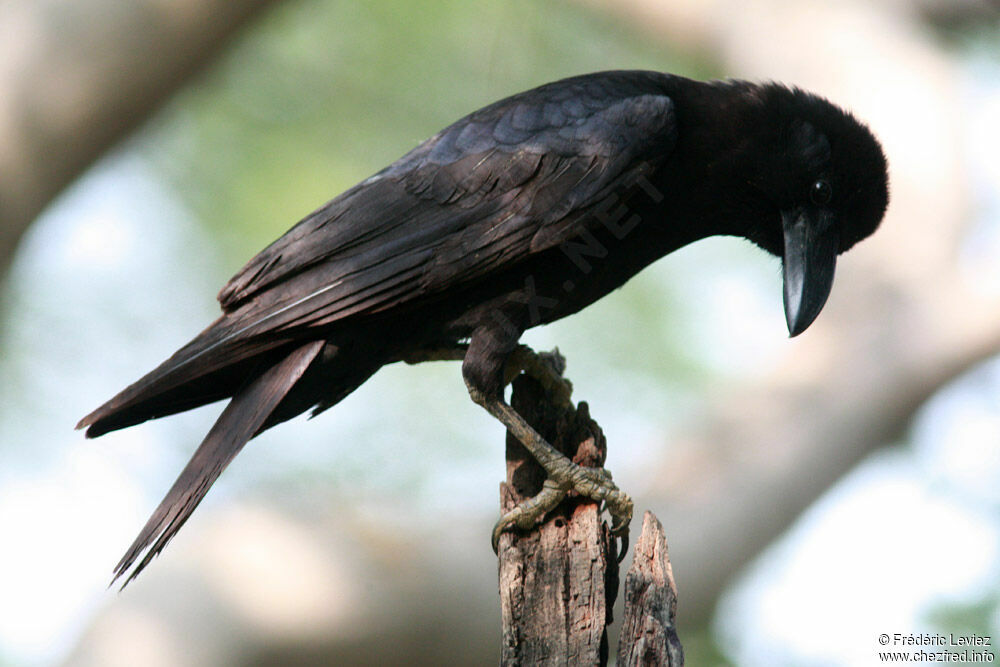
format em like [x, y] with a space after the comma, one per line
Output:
[554, 449]
[539, 474]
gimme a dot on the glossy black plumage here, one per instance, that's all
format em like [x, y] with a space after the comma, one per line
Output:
[518, 214]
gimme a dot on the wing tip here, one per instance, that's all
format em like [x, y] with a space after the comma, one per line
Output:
[92, 423]
[88, 423]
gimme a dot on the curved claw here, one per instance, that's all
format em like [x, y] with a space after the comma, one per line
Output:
[623, 549]
[594, 483]
[620, 507]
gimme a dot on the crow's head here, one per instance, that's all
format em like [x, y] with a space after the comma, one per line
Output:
[819, 178]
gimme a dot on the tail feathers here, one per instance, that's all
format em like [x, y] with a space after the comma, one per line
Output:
[240, 421]
[188, 379]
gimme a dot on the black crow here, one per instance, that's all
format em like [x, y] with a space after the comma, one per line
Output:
[517, 215]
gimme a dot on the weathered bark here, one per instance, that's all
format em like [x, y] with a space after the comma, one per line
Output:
[649, 634]
[75, 77]
[558, 582]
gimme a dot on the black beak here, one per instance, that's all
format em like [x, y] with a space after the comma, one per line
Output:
[810, 258]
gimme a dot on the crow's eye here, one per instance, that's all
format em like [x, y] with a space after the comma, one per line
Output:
[821, 192]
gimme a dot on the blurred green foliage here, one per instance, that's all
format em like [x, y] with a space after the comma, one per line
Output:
[320, 95]
[975, 617]
[700, 648]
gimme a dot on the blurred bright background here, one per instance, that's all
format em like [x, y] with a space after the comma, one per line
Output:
[816, 492]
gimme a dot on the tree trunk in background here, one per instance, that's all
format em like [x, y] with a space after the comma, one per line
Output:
[76, 77]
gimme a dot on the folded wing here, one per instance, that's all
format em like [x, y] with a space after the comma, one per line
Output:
[507, 181]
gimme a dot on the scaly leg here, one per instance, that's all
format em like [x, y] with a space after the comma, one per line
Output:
[563, 474]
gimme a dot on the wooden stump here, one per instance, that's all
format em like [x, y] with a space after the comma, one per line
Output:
[559, 581]
[649, 635]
